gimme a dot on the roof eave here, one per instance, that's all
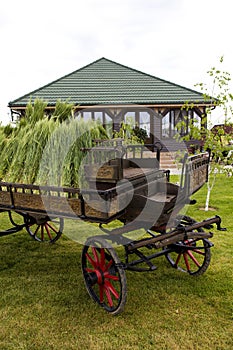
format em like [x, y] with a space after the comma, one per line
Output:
[123, 105]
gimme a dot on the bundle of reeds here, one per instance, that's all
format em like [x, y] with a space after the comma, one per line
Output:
[63, 153]
[47, 150]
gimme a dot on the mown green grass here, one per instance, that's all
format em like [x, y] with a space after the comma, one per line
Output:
[44, 304]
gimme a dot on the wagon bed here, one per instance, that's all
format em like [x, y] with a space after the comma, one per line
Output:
[111, 185]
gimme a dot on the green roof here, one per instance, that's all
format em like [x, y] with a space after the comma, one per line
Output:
[105, 82]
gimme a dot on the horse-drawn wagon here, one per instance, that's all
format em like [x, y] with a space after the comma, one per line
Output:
[120, 183]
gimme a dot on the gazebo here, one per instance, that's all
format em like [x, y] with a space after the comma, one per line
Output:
[111, 92]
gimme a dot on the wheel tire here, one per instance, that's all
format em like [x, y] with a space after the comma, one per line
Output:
[194, 261]
[46, 231]
[104, 277]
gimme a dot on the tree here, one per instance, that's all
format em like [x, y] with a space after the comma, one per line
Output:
[215, 139]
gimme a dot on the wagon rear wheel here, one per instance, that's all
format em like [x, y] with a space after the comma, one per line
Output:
[192, 255]
[104, 276]
[47, 230]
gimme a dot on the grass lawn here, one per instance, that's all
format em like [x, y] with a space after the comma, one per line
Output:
[44, 304]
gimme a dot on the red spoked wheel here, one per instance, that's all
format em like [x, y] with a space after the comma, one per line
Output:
[44, 230]
[192, 255]
[104, 275]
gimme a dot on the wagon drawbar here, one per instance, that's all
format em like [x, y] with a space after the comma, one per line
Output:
[123, 184]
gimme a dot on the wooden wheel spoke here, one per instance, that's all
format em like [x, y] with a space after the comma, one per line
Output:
[111, 277]
[102, 258]
[198, 251]
[177, 259]
[48, 231]
[36, 231]
[95, 254]
[112, 289]
[92, 261]
[108, 295]
[89, 270]
[101, 291]
[186, 261]
[190, 254]
[52, 228]
[42, 232]
[109, 265]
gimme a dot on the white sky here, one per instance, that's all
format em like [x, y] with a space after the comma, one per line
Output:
[177, 40]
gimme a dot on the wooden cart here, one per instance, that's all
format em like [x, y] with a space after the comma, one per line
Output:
[123, 184]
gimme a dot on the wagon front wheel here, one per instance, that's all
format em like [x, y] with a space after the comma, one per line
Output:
[47, 230]
[104, 275]
[191, 255]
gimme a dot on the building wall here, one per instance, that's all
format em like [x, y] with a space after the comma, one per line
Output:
[160, 123]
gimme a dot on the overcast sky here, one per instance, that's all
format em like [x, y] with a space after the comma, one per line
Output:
[177, 40]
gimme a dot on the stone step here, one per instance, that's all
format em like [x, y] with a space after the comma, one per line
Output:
[168, 166]
[167, 161]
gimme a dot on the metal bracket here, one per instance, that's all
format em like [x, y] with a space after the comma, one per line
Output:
[219, 227]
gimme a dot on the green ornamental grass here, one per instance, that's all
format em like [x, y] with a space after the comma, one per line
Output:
[47, 149]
